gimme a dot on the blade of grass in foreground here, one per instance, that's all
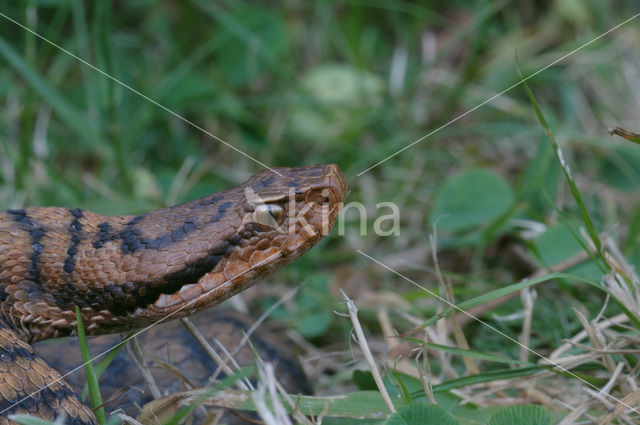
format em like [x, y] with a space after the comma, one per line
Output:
[92, 379]
[586, 218]
[584, 212]
[105, 362]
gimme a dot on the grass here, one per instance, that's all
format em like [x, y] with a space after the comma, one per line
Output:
[353, 82]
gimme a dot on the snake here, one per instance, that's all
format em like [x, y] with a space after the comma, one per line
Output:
[147, 381]
[130, 272]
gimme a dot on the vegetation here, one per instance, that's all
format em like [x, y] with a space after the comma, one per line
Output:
[523, 212]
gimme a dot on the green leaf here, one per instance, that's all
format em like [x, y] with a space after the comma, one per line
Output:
[621, 168]
[334, 95]
[633, 233]
[351, 421]
[364, 380]
[421, 413]
[341, 85]
[314, 324]
[470, 199]
[557, 243]
[521, 415]
[472, 415]
[311, 317]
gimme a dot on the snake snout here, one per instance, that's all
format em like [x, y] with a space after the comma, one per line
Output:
[337, 186]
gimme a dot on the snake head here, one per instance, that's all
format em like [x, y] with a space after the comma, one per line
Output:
[293, 207]
[274, 217]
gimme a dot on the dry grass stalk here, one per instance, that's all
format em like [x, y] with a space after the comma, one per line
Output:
[624, 284]
[222, 364]
[596, 338]
[607, 323]
[619, 409]
[135, 352]
[293, 404]
[362, 341]
[275, 414]
[425, 370]
[390, 336]
[446, 291]
[528, 297]
[575, 414]
[128, 419]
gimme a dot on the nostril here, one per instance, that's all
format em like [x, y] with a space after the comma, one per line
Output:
[317, 198]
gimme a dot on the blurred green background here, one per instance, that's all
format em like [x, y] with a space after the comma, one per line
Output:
[351, 82]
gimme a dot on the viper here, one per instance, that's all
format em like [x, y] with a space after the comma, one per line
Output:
[131, 272]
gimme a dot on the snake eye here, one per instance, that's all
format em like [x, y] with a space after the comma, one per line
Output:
[269, 215]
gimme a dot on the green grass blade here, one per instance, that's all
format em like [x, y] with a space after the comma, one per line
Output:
[584, 212]
[242, 32]
[509, 289]
[92, 379]
[563, 217]
[488, 377]
[29, 420]
[360, 404]
[105, 362]
[465, 305]
[470, 353]
[82, 45]
[72, 117]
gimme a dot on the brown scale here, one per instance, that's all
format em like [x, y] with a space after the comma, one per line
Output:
[128, 272]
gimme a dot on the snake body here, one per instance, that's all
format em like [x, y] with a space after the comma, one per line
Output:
[174, 362]
[128, 272]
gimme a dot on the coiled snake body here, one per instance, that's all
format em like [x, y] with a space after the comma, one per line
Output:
[127, 272]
